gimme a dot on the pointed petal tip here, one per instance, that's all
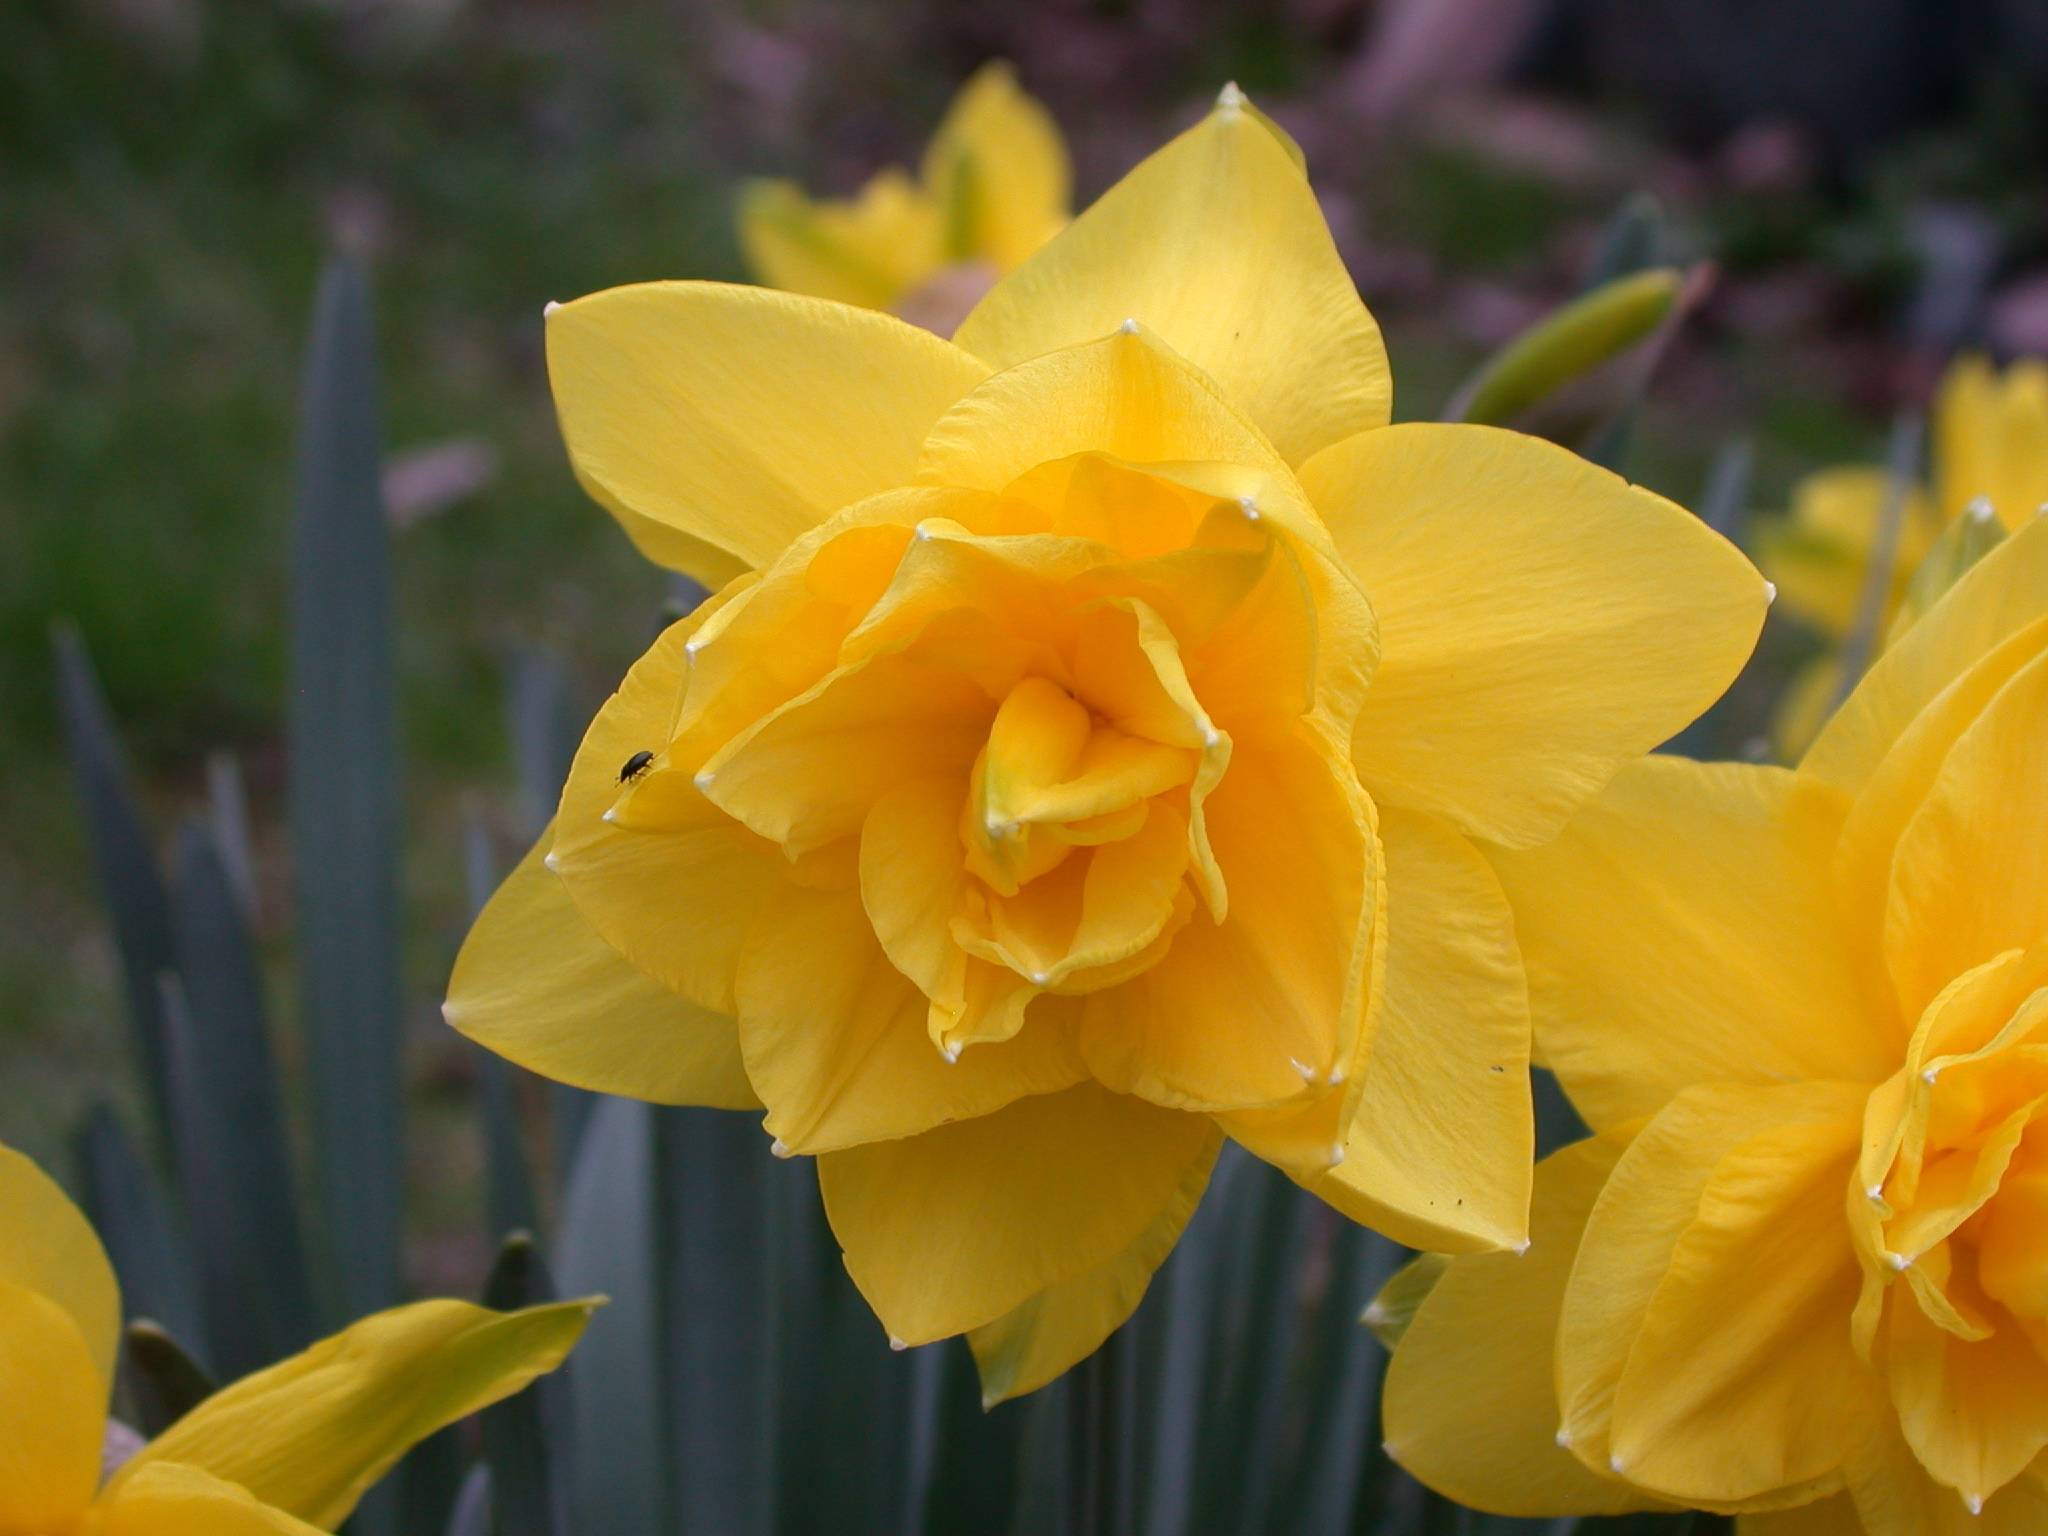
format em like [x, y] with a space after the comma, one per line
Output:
[1230, 100]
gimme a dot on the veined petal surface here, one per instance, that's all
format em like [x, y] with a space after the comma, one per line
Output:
[1218, 245]
[1525, 601]
[718, 422]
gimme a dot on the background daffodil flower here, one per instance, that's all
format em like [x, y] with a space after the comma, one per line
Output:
[1990, 460]
[1086, 754]
[995, 186]
[288, 1450]
[1801, 1270]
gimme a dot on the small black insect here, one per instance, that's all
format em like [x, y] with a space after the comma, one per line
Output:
[635, 766]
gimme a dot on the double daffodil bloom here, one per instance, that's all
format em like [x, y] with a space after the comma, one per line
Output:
[994, 187]
[1801, 1269]
[1083, 756]
[1990, 455]
[286, 1452]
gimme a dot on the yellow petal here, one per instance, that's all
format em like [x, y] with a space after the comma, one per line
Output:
[869, 250]
[1968, 879]
[536, 984]
[807, 774]
[169, 1500]
[1991, 438]
[1975, 1412]
[1065, 1323]
[717, 423]
[2001, 594]
[1119, 392]
[1470, 1407]
[1693, 1193]
[1683, 930]
[675, 894]
[1899, 783]
[1240, 1013]
[1738, 1381]
[1441, 1142]
[315, 1432]
[51, 1249]
[1542, 621]
[53, 1409]
[837, 1040]
[1217, 244]
[1895, 1496]
[997, 170]
[952, 1229]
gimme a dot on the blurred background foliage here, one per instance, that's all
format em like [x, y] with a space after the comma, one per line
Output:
[1865, 177]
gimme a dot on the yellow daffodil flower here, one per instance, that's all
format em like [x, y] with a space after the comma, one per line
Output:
[994, 187]
[1990, 455]
[1801, 1270]
[285, 1452]
[1083, 758]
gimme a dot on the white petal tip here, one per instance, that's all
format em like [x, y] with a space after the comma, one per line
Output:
[1875, 1194]
[692, 647]
[1373, 1315]
[448, 1013]
[549, 308]
[897, 1344]
[923, 532]
[1336, 1076]
[553, 864]
[1521, 1248]
[1230, 99]
[1308, 1073]
[1770, 593]
[703, 780]
[1614, 1463]
[1898, 1261]
[1336, 1154]
[1249, 508]
[1129, 327]
[951, 1053]
[988, 1401]
[779, 1147]
[1980, 510]
[611, 814]
[1040, 978]
[1564, 1439]
[1930, 1075]
[1974, 1502]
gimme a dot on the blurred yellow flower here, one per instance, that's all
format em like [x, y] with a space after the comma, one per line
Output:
[994, 187]
[1990, 455]
[288, 1450]
[1083, 758]
[1801, 1269]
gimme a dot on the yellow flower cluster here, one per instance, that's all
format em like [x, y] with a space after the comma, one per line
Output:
[1087, 752]
[1801, 1270]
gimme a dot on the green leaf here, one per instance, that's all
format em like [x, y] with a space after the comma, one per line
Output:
[150, 1256]
[523, 1444]
[717, 1330]
[124, 863]
[234, 1156]
[607, 1246]
[1566, 345]
[162, 1381]
[343, 756]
